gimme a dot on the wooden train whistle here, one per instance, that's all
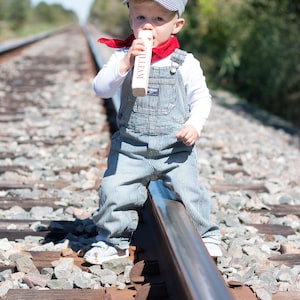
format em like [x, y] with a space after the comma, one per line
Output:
[141, 68]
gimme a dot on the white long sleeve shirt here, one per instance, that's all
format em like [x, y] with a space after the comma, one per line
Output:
[109, 80]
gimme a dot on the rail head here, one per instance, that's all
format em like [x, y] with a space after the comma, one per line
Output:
[196, 269]
[112, 105]
[30, 40]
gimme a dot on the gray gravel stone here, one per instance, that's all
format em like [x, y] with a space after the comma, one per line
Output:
[62, 283]
[25, 264]
[63, 268]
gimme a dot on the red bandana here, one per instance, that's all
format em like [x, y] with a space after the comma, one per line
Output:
[162, 51]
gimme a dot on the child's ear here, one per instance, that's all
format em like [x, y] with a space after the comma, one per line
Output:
[178, 25]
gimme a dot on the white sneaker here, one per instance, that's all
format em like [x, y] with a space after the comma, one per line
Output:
[102, 252]
[213, 250]
[212, 246]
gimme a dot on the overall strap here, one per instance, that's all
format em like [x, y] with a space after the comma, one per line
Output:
[177, 59]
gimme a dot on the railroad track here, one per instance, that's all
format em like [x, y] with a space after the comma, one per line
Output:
[50, 170]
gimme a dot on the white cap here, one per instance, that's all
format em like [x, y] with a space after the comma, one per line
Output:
[172, 5]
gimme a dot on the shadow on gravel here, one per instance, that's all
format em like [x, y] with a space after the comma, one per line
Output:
[79, 233]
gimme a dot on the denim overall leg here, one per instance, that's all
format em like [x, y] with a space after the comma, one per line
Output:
[146, 148]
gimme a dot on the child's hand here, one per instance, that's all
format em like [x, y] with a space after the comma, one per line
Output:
[137, 48]
[188, 134]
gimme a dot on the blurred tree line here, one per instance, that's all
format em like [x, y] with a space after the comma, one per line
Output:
[17, 15]
[250, 47]
[110, 17]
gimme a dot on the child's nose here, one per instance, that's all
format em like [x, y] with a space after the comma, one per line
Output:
[148, 26]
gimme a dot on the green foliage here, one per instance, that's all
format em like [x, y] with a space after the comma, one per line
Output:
[17, 14]
[52, 14]
[212, 33]
[250, 47]
[18, 18]
[268, 75]
[3, 9]
[111, 17]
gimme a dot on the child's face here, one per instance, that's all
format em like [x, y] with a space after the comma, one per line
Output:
[149, 15]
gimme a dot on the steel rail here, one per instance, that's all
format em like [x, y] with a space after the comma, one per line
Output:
[197, 274]
[195, 270]
[112, 104]
[5, 48]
